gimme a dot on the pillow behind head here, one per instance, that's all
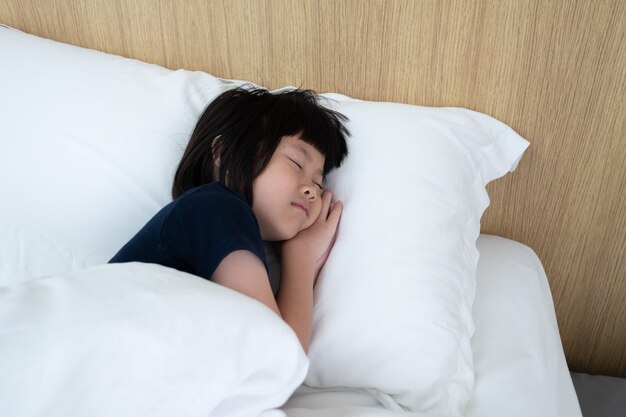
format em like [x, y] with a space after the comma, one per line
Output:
[393, 302]
[88, 147]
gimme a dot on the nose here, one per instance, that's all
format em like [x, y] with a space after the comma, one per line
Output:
[310, 192]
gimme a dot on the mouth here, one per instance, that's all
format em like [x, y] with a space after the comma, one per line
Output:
[301, 207]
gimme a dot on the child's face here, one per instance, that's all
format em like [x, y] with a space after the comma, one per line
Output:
[287, 193]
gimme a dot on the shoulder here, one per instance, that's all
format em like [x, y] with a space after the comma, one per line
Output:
[213, 203]
[206, 224]
[213, 191]
[212, 196]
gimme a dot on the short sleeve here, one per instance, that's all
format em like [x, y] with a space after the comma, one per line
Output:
[205, 227]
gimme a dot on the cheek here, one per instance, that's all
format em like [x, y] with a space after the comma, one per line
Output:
[316, 208]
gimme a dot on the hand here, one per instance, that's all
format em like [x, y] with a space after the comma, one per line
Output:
[313, 245]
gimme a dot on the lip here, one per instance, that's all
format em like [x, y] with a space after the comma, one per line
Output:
[302, 207]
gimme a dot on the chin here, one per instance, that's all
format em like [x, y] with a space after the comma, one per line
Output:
[282, 231]
[290, 235]
[280, 235]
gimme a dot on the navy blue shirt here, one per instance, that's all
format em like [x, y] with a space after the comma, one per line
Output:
[195, 232]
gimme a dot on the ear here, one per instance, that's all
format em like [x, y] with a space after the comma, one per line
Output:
[216, 152]
[216, 148]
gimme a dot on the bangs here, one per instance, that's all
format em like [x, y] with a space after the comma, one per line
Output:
[298, 113]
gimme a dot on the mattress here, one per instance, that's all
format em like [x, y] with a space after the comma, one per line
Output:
[520, 366]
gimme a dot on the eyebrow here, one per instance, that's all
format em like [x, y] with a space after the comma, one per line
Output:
[307, 155]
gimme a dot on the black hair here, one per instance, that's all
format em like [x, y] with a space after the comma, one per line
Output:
[242, 128]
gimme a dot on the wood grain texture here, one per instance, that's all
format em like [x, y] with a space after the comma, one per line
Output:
[555, 71]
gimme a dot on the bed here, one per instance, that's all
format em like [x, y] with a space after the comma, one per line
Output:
[507, 117]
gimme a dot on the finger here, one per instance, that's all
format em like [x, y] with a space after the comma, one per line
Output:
[335, 214]
[327, 197]
[334, 239]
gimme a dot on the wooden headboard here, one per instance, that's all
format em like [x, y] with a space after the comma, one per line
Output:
[555, 71]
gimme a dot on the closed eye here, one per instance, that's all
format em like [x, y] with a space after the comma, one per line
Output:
[299, 166]
[296, 164]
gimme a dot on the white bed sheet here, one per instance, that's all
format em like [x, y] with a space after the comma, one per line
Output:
[520, 366]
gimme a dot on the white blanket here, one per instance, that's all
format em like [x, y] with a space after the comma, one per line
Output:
[142, 340]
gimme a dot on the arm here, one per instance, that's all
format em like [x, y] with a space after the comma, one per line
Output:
[302, 258]
[244, 272]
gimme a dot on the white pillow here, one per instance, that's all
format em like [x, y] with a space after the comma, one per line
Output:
[393, 302]
[142, 340]
[519, 364]
[88, 147]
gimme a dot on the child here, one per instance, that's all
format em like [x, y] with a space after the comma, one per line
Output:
[253, 171]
